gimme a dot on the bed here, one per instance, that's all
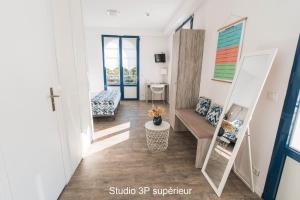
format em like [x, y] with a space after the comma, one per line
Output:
[105, 104]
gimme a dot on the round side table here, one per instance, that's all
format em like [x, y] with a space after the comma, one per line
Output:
[157, 136]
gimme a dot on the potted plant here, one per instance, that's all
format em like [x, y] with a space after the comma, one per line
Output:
[156, 112]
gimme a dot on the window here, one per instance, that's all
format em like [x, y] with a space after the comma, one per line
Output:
[187, 24]
[111, 60]
[121, 64]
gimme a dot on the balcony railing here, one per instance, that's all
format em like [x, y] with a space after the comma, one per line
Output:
[115, 79]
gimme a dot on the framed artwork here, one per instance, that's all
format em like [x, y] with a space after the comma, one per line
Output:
[230, 40]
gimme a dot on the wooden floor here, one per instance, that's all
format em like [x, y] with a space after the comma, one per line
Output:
[119, 158]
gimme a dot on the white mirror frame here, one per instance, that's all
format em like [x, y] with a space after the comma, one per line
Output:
[272, 53]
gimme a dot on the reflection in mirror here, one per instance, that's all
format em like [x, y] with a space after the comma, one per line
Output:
[227, 135]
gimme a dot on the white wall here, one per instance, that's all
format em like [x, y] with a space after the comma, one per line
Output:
[170, 47]
[270, 24]
[150, 43]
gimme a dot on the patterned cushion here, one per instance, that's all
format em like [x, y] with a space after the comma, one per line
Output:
[213, 114]
[231, 135]
[203, 106]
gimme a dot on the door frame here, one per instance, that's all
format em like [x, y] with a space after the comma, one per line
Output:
[121, 85]
[281, 147]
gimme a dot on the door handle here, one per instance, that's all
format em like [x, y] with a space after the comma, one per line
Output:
[52, 96]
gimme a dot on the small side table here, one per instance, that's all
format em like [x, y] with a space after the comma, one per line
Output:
[157, 136]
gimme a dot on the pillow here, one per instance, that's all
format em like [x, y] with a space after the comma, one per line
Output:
[203, 106]
[213, 114]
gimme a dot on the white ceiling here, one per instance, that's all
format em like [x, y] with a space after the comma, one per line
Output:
[132, 13]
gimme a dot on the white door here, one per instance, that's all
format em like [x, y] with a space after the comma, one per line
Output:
[68, 78]
[37, 155]
[5, 193]
[29, 136]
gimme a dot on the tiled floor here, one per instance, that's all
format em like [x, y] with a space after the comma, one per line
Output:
[119, 158]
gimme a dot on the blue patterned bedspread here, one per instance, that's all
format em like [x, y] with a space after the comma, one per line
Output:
[105, 103]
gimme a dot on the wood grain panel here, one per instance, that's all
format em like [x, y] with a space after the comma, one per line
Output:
[189, 68]
[174, 69]
[186, 72]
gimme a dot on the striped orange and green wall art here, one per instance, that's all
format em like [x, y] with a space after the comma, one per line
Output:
[228, 51]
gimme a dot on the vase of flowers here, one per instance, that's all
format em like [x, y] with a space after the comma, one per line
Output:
[156, 112]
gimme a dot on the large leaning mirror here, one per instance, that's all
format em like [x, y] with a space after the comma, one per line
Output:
[236, 116]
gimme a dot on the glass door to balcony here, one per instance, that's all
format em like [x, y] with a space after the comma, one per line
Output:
[121, 65]
[284, 171]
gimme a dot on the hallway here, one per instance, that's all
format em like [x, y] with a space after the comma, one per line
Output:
[119, 158]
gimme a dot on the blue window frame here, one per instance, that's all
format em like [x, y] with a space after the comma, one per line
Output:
[282, 147]
[189, 21]
[122, 84]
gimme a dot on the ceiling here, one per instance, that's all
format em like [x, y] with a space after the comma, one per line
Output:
[132, 13]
